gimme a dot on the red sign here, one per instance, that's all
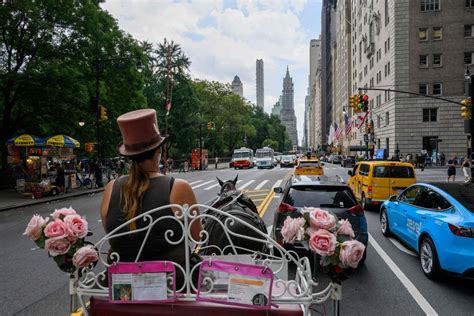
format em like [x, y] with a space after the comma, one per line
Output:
[35, 151]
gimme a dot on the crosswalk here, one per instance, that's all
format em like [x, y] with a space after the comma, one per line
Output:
[241, 185]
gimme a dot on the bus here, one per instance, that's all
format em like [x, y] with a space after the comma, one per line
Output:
[242, 158]
[265, 158]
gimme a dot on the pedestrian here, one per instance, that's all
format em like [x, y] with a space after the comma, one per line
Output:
[60, 178]
[452, 169]
[421, 162]
[443, 159]
[145, 189]
[217, 161]
[466, 165]
[98, 174]
[170, 164]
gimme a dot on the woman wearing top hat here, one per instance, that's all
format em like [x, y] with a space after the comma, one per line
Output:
[144, 189]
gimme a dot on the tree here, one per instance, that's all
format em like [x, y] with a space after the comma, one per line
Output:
[273, 144]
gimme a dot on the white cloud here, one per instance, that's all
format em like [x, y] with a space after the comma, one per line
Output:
[225, 41]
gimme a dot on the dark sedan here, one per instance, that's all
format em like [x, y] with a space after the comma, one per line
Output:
[307, 191]
[349, 161]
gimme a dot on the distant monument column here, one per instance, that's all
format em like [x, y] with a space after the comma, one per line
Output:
[260, 84]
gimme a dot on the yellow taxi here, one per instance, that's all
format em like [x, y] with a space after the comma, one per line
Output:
[373, 182]
[309, 165]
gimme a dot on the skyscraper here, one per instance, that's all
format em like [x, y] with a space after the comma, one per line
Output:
[260, 84]
[237, 86]
[287, 113]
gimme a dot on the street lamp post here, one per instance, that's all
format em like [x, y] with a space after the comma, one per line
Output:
[470, 76]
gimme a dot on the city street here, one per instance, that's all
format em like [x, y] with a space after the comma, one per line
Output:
[390, 283]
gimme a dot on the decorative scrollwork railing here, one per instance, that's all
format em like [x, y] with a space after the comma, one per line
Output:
[297, 289]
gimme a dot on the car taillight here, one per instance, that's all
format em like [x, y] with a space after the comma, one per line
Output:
[369, 190]
[356, 209]
[461, 231]
[286, 208]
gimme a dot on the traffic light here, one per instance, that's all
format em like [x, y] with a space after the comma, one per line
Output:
[360, 103]
[365, 103]
[354, 100]
[466, 108]
[102, 113]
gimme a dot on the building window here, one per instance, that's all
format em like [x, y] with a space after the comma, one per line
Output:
[469, 30]
[430, 115]
[468, 58]
[378, 121]
[423, 61]
[437, 88]
[378, 143]
[423, 88]
[437, 33]
[388, 67]
[388, 43]
[429, 5]
[437, 60]
[385, 44]
[423, 34]
[385, 68]
[469, 3]
[387, 145]
[387, 119]
[365, 70]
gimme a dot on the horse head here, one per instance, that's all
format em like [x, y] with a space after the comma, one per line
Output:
[228, 186]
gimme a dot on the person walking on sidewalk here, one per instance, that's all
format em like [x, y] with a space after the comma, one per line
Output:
[466, 166]
[452, 169]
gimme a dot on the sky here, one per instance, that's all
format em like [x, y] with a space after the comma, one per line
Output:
[223, 38]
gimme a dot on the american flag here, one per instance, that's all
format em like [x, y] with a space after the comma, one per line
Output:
[348, 125]
[338, 132]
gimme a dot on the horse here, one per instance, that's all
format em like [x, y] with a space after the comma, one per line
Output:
[238, 204]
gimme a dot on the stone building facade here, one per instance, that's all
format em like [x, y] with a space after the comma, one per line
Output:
[237, 87]
[420, 46]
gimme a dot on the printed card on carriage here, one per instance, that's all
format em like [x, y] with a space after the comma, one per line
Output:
[142, 282]
[235, 284]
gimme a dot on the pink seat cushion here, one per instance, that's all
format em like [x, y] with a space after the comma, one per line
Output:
[100, 306]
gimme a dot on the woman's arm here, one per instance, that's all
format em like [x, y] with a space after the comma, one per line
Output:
[104, 205]
[183, 194]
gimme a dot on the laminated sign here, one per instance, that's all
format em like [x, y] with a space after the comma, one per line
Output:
[235, 284]
[142, 282]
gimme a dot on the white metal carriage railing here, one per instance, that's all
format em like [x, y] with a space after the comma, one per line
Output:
[89, 281]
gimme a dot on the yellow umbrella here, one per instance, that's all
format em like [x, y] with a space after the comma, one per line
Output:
[26, 140]
[62, 141]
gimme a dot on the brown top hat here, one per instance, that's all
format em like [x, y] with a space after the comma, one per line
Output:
[140, 132]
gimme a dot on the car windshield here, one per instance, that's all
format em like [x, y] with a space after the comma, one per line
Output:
[241, 155]
[320, 196]
[463, 193]
[263, 154]
[309, 164]
[286, 158]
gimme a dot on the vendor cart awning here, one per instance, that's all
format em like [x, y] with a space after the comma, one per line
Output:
[26, 140]
[62, 141]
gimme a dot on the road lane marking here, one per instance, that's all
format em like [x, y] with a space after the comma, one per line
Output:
[192, 183]
[401, 247]
[262, 209]
[245, 185]
[277, 184]
[251, 194]
[212, 186]
[417, 296]
[202, 184]
[258, 187]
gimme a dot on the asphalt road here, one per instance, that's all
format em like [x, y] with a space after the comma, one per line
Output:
[32, 284]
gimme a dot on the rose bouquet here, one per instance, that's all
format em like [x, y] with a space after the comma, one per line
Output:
[328, 237]
[63, 238]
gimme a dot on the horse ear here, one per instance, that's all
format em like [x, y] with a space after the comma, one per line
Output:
[220, 181]
[235, 180]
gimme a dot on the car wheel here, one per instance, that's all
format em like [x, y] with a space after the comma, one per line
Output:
[54, 191]
[429, 259]
[384, 226]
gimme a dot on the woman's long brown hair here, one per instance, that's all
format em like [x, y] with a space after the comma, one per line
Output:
[135, 186]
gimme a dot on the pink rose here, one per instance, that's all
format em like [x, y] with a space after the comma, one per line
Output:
[351, 253]
[293, 230]
[56, 229]
[35, 227]
[63, 212]
[345, 228]
[321, 218]
[323, 242]
[57, 246]
[76, 226]
[85, 256]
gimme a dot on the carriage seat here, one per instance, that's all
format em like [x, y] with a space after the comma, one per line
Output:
[100, 306]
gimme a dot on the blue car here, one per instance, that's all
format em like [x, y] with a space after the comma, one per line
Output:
[437, 221]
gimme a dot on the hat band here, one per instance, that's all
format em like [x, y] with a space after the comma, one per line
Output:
[143, 145]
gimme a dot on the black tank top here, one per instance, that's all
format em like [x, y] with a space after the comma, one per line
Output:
[156, 246]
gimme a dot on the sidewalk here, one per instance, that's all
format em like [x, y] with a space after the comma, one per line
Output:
[10, 199]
